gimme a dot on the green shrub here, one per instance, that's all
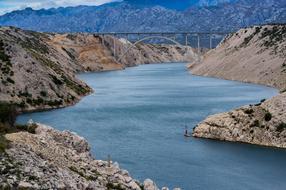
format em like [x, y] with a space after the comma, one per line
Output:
[3, 143]
[8, 113]
[248, 111]
[31, 128]
[4, 128]
[255, 123]
[111, 186]
[56, 80]
[43, 93]
[3, 56]
[25, 94]
[267, 116]
[10, 80]
[281, 127]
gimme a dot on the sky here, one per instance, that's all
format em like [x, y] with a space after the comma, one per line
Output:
[10, 5]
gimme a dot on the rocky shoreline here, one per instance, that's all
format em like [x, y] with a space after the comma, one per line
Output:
[38, 73]
[50, 159]
[254, 55]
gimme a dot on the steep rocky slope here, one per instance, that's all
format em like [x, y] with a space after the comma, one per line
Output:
[38, 69]
[96, 53]
[50, 159]
[257, 55]
[34, 75]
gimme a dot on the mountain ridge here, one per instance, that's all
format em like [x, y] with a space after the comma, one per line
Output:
[125, 17]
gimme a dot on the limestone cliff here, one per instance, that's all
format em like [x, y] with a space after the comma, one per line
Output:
[38, 69]
[257, 55]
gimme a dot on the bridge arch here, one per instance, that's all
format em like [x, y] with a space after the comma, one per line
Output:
[146, 38]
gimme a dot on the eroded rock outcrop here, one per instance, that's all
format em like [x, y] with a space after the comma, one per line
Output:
[255, 55]
[38, 69]
[262, 124]
[50, 159]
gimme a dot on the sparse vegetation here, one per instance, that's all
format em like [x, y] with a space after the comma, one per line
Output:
[69, 53]
[272, 38]
[267, 116]
[79, 172]
[79, 89]
[249, 111]
[3, 56]
[8, 115]
[3, 143]
[34, 44]
[43, 93]
[5, 66]
[255, 123]
[10, 80]
[56, 80]
[30, 128]
[111, 186]
[251, 36]
[281, 127]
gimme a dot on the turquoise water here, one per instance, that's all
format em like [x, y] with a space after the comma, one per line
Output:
[138, 116]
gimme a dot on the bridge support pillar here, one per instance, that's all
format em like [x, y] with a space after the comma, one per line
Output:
[186, 39]
[199, 47]
[103, 40]
[114, 46]
[211, 42]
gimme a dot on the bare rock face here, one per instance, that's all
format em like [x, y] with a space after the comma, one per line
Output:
[50, 159]
[261, 124]
[34, 75]
[37, 70]
[256, 55]
[102, 53]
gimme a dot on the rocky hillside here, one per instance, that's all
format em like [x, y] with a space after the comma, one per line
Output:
[38, 69]
[261, 124]
[33, 74]
[94, 53]
[50, 159]
[155, 16]
[257, 55]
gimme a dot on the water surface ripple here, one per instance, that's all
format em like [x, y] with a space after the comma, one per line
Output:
[137, 116]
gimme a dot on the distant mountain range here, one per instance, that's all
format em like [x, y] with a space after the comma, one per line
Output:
[178, 5]
[151, 15]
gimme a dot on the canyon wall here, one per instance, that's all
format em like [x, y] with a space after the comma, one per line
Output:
[256, 55]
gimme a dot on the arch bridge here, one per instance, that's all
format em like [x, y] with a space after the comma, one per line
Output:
[197, 40]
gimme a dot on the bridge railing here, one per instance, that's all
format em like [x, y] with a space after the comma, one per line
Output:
[197, 40]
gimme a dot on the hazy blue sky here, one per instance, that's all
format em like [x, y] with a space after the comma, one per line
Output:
[9, 5]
